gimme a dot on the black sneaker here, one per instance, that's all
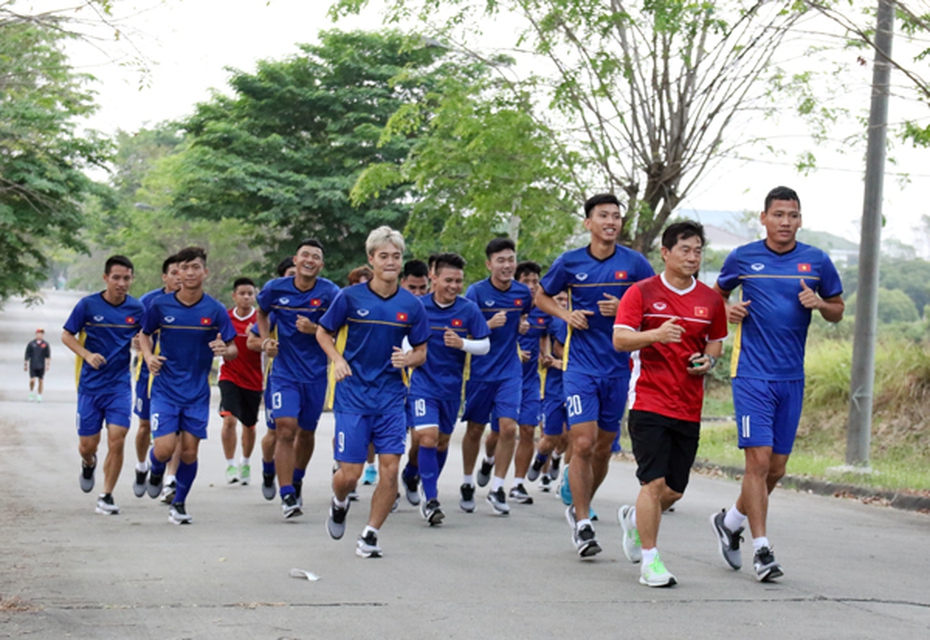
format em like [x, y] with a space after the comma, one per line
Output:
[545, 484]
[106, 506]
[268, 489]
[554, 468]
[153, 486]
[535, 470]
[412, 489]
[336, 524]
[298, 489]
[289, 506]
[766, 567]
[484, 472]
[87, 476]
[177, 514]
[727, 541]
[432, 512]
[367, 546]
[519, 494]
[138, 487]
[498, 501]
[467, 502]
[168, 491]
[586, 542]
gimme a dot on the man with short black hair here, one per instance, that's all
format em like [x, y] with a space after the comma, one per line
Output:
[193, 328]
[595, 376]
[99, 331]
[240, 383]
[495, 379]
[674, 326]
[37, 362]
[782, 282]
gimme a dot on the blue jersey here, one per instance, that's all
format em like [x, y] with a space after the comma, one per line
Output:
[529, 343]
[552, 388]
[587, 279]
[142, 370]
[184, 335]
[368, 327]
[503, 360]
[440, 377]
[769, 342]
[108, 330]
[300, 358]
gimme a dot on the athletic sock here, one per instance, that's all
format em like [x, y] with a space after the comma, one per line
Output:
[733, 520]
[185, 478]
[268, 467]
[411, 471]
[369, 529]
[429, 471]
[649, 555]
[496, 483]
[758, 543]
[580, 523]
[490, 460]
[518, 481]
[230, 462]
[466, 479]
[286, 489]
[541, 458]
[244, 462]
[441, 458]
[342, 504]
[158, 468]
[556, 455]
[142, 466]
[299, 475]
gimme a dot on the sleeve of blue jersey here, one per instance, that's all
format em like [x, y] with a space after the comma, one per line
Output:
[264, 297]
[227, 330]
[646, 270]
[419, 329]
[75, 321]
[477, 326]
[150, 319]
[554, 280]
[830, 284]
[335, 316]
[729, 272]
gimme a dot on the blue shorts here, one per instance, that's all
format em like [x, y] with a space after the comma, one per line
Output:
[142, 406]
[269, 414]
[408, 412]
[593, 399]
[429, 412]
[768, 412]
[93, 411]
[554, 417]
[354, 432]
[500, 396]
[530, 402]
[301, 400]
[168, 418]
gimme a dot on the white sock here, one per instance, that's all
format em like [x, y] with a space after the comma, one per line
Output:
[649, 555]
[244, 462]
[734, 519]
[496, 483]
[556, 455]
[758, 543]
[369, 528]
[517, 481]
[342, 504]
[230, 462]
[469, 480]
[490, 460]
[169, 479]
[581, 523]
[142, 466]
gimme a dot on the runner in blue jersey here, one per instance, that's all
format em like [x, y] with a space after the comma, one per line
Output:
[457, 328]
[171, 282]
[269, 351]
[532, 344]
[298, 380]
[782, 282]
[192, 328]
[553, 441]
[363, 333]
[596, 377]
[494, 383]
[99, 331]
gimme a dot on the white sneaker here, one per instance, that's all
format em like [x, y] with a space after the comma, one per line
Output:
[654, 574]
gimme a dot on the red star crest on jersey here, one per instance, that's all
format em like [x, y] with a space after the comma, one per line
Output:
[701, 312]
[315, 302]
[130, 320]
[619, 275]
[205, 322]
[804, 267]
[518, 303]
[401, 316]
[540, 321]
[456, 323]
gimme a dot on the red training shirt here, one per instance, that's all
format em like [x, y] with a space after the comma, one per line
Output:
[659, 382]
[246, 370]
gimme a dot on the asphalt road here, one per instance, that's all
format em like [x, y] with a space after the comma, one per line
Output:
[852, 570]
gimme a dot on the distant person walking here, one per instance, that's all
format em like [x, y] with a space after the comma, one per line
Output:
[38, 360]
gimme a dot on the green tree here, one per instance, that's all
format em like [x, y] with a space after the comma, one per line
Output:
[893, 306]
[284, 151]
[481, 167]
[42, 155]
[644, 96]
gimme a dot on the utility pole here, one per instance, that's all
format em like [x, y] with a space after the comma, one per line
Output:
[859, 431]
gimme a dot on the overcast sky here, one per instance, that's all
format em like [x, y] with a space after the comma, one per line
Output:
[189, 44]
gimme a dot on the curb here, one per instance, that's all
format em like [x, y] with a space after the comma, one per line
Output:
[894, 499]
